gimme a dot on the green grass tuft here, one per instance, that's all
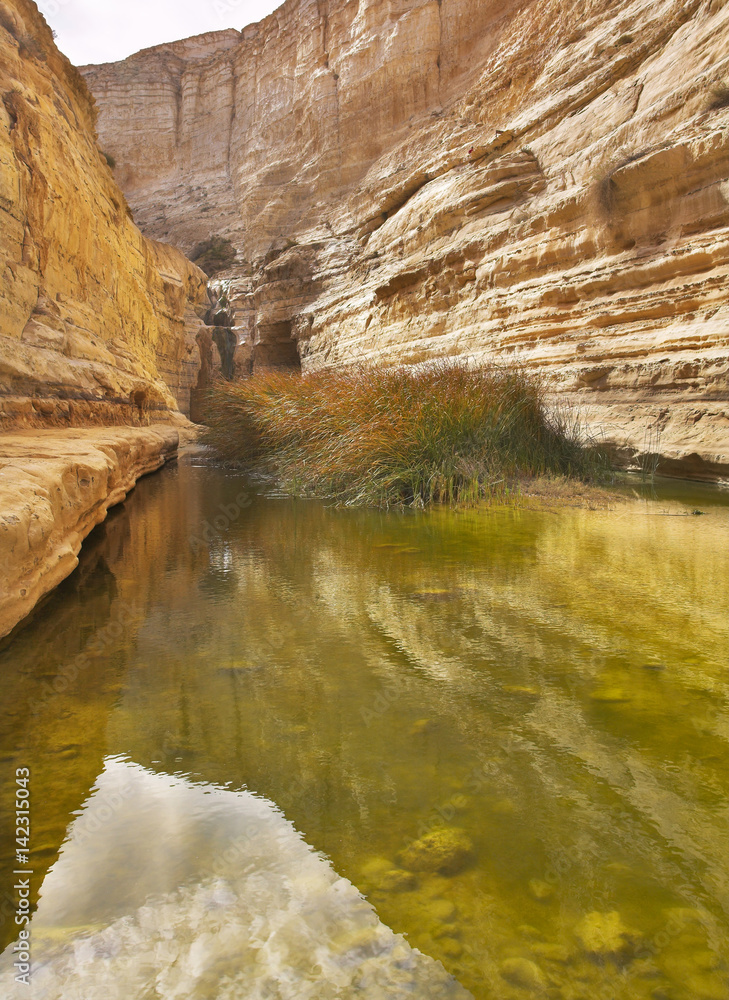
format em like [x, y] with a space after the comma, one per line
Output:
[397, 435]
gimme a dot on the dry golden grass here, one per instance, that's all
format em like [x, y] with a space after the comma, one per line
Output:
[398, 435]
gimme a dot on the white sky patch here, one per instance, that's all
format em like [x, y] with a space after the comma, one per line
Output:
[95, 31]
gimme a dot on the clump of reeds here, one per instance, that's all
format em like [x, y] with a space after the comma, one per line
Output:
[397, 435]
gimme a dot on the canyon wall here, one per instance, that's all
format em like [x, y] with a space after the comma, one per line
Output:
[537, 181]
[97, 322]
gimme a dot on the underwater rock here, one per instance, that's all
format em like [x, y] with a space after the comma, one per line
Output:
[397, 880]
[421, 726]
[679, 963]
[446, 852]
[551, 952]
[539, 889]
[610, 695]
[442, 910]
[604, 934]
[522, 972]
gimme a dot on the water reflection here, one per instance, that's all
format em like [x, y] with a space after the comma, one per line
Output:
[549, 684]
[61, 674]
[170, 890]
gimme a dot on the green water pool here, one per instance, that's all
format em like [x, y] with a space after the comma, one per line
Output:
[506, 728]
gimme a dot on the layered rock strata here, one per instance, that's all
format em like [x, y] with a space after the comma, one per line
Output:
[55, 486]
[97, 322]
[539, 181]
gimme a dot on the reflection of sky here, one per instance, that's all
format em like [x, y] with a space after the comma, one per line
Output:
[190, 890]
[90, 31]
[221, 557]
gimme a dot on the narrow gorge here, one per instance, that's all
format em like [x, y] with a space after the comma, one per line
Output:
[542, 183]
[405, 673]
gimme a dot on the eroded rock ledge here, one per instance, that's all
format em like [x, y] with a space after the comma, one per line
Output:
[55, 486]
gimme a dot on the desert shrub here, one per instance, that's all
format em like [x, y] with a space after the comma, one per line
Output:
[214, 254]
[396, 435]
[109, 159]
[30, 48]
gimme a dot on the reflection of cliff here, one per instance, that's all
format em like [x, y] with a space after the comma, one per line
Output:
[64, 668]
[59, 683]
[97, 323]
[540, 181]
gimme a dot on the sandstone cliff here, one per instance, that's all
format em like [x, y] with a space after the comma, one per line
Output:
[541, 181]
[97, 323]
[55, 487]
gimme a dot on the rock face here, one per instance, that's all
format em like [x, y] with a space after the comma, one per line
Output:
[541, 182]
[97, 322]
[55, 486]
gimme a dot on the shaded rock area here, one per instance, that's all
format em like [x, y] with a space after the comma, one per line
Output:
[55, 486]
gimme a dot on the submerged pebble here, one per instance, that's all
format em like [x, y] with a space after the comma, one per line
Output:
[610, 695]
[604, 934]
[435, 595]
[529, 932]
[442, 910]
[524, 690]
[504, 807]
[522, 972]
[550, 952]
[397, 880]
[450, 947]
[541, 890]
[446, 851]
